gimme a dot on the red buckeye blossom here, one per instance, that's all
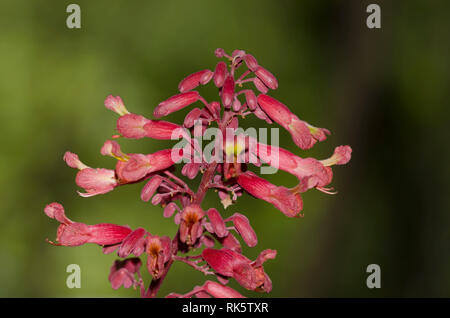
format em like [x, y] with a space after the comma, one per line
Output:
[243, 227]
[194, 80]
[158, 254]
[122, 273]
[74, 234]
[134, 243]
[139, 165]
[266, 77]
[287, 201]
[303, 134]
[217, 223]
[176, 103]
[248, 274]
[228, 91]
[191, 224]
[208, 290]
[220, 73]
[251, 62]
[178, 178]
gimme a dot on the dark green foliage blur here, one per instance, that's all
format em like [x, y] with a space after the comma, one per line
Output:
[384, 92]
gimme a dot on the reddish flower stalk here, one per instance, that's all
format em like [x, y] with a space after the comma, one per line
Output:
[227, 171]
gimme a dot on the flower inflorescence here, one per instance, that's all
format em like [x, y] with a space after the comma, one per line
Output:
[227, 175]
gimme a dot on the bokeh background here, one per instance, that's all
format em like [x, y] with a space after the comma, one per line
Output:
[385, 92]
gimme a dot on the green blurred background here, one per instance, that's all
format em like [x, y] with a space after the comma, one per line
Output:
[384, 92]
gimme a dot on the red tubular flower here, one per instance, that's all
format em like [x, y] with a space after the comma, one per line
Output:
[116, 105]
[248, 274]
[176, 103]
[308, 168]
[303, 134]
[220, 73]
[194, 80]
[191, 117]
[215, 109]
[132, 126]
[217, 223]
[134, 243]
[136, 127]
[251, 62]
[207, 290]
[163, 130]
[260, 86]
[122, 272]
[190, 170]
[245, 230]
[251, 100]
[74, 234]
[266, 77]
[150, 188]
[139, 165]
[191, 224]
[228, 91]
[96, 181]
[220, 291]
[282, 198]
[158, 253]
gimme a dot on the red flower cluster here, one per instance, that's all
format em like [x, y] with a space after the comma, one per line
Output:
[228, 173]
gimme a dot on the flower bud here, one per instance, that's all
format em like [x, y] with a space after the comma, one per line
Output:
[251, 62]
[220, 291]
[250, 97]
[266, 77]
[190, 170]
[170, 209]
[217, 223]
[194, 80]
[150, 188]
[220, 73]
[175, 103]
[245, 230]
[134, 243]
[122, 272]
[237, 105]
[260, 86]
[219, 52]
[191, 117]
[228, 91]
